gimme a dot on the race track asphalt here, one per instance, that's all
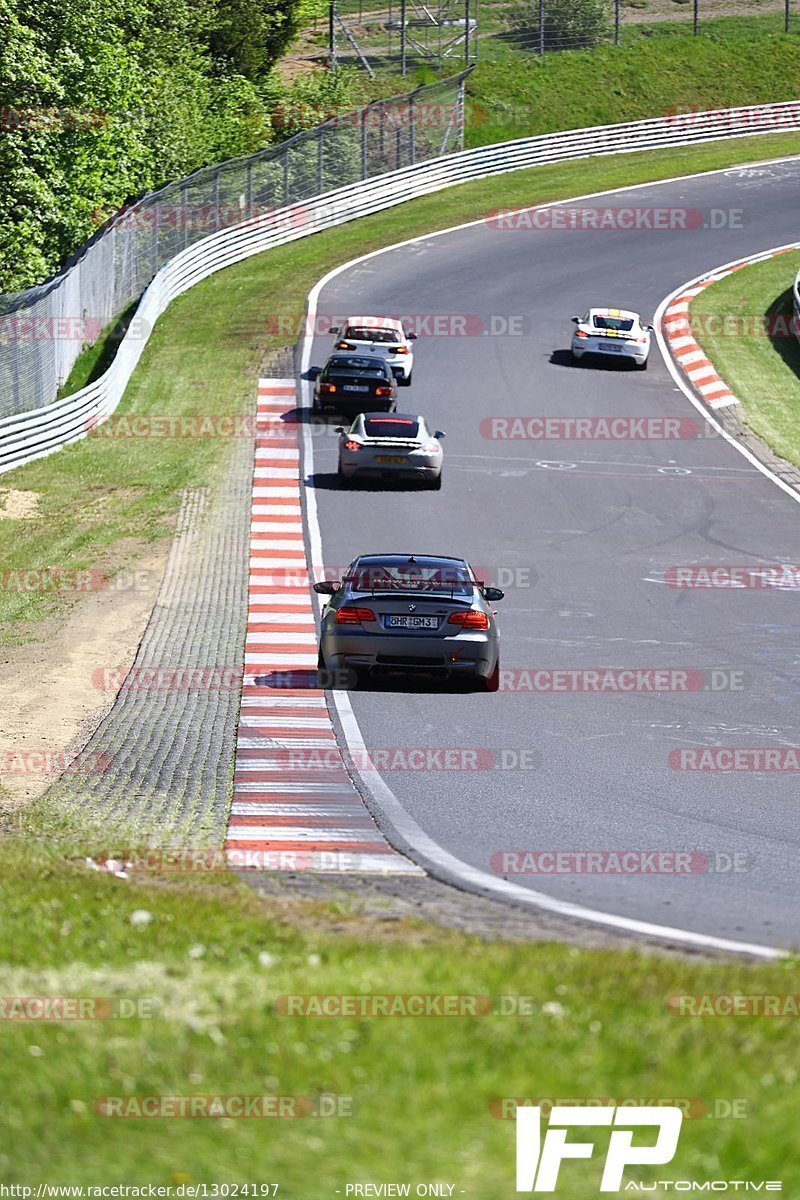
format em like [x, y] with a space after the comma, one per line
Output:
[581, 534]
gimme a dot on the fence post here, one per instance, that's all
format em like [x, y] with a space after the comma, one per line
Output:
[617, 5]
[695, 16]
[364, 113]
[541, 26]
[461, 113]
[185, 214]
[332, 35]
[786, 16]
[403, 64]
[466, 36]
[320, 140]
[412, 149]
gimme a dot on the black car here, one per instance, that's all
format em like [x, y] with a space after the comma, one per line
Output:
[351, 383]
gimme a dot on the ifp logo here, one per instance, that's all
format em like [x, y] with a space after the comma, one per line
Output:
[538, 1160]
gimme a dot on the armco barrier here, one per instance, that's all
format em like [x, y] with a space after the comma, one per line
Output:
[31, 435]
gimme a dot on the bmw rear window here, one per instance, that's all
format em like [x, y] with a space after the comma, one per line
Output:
[391, 427]
[364, 333]
[420, 577]
[347, 365]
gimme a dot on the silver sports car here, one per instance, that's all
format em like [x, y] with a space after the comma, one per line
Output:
[378, 445]
[409, 614]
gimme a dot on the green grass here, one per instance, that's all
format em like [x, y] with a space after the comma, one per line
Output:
[103, 495]
[657, 69]
[598, 1026]
[762, 371]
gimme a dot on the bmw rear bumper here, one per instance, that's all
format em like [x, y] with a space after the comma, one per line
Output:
[472, 654]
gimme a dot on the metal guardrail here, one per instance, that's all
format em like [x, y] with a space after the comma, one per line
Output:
[28, 436]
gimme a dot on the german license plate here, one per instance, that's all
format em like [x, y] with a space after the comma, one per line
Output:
[354, 387]
[396, 621]
[390, 458]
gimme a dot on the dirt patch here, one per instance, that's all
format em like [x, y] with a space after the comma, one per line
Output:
[49, 701]
[18, 506]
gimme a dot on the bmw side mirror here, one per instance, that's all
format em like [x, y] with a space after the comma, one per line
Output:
[340, 429]
[335, 329]
[649, 328]
[575, 320]
[326, 587]
[439, 434]
[411, 337]
[493, 593]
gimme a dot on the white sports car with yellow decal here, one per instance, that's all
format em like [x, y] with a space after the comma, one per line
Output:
[615, 332]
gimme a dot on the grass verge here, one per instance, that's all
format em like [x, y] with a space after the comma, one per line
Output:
[204, 354]
[753, 349]
[212, 961]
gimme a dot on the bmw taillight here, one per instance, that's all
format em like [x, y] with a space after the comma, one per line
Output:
[345, 346]
[581, 333]
[473, 618]
[352, 445]
[400, 349]
[349, 614]
[431, 447]
[327, 388]
[383, 391]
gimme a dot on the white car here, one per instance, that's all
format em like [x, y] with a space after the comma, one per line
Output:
[382, 336]
[615, 332]
[378, 445]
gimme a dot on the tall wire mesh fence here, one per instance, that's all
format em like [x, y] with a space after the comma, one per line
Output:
[44, 329]
[401, 34]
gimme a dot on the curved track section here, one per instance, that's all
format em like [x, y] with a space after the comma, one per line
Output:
[584, 534]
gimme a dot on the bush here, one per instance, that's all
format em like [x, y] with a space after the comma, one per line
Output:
[568, 24]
